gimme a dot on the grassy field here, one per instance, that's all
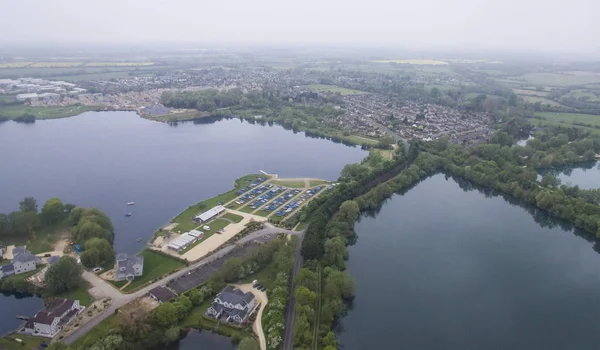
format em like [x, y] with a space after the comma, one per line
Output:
[155, 266]
[313, 183]
[51, 112]
[68, 64]
[361, 140]
[233, 217]
[185, 219]
[542, 100]
[334, 89]
[80, 294]
[414, 61]
[543, 123]
[214, 225]
[570, 118]
[290, 184]
[15, 64]
[589, 96]
[560, 79]
[119, 64]
[530, 92]
[29, 342]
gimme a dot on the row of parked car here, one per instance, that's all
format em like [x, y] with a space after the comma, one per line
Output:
[279, 201]
[288, 208]
[266, 197]
[253, 193]
[254, 183]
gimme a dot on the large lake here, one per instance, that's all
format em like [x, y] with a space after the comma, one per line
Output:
[585, 175]
[445, 268]
[106, 159]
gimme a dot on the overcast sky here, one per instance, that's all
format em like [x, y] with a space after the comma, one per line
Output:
[516, 25]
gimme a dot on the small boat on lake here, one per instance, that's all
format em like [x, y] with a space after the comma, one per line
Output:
[128, 214]
[130, 203]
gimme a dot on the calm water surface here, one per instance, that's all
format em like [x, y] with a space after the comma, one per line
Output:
[106, 159]
[11, 306]
[441, 268]
[207, 340]
[585, 175]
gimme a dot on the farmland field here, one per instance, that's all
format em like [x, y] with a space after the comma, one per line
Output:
[51, 112]
[589, 96]
[55, 64]
[414, 61]
[334, 89]
[15, 64]
[530, 92]
[559, 79]
[571, 118]
[542, 100]
[118, 64]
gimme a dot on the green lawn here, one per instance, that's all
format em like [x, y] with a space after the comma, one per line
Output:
[335, 89]
[51, 112]
[301, 226]
[233, 217]
[185, 219]
[246, 209]
[570, 118]
[543, 123]
[29, 342]
[214, 225]
[290, 184]
[101, 330]
[265, 277]
[589, 96]
[542, 100]
[314, 183]
[560, 79]
[155, 266]
[361, 140]
[80, 294]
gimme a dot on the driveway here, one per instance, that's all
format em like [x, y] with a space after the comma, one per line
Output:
[257, 325]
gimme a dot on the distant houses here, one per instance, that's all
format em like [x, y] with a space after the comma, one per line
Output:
[22, 261]
[128, 267]
[49, 322]
[232, 305]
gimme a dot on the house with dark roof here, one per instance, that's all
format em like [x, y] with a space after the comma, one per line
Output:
[50, 321]
[233, 305]
[128, 267]
[162, 294]
[52, 260]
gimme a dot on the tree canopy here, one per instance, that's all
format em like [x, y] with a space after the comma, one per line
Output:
[63, 276]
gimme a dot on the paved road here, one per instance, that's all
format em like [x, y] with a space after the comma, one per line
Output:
[290, 310]
[101, 288]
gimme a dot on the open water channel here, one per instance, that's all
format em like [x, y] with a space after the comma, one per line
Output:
[106, 159]
[445, 267]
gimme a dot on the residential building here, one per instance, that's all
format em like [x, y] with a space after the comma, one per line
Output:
[23, 261]
[128, 267]
[7, 270]
[162, 294]
[49, 322]
[233, 305]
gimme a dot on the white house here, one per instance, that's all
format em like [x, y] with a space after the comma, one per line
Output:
[23, 261]
[49, 322]
[233, 304]
[210, 213]
[128, 267]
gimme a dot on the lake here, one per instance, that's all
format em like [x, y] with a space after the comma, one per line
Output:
[445, 268]
[12, 306]
[585, 175]
[195, 339]
[106, 159]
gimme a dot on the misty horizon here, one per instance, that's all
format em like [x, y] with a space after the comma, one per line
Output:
[497, 26]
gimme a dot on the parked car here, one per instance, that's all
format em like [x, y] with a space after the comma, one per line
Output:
[97, 270]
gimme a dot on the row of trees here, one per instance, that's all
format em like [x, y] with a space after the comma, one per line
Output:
[93, 230]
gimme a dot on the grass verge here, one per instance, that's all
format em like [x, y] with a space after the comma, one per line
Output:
[233, 217]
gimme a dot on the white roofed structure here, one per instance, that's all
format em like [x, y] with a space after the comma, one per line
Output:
[209, 214]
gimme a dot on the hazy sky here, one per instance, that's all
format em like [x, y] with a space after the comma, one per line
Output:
[537, 25]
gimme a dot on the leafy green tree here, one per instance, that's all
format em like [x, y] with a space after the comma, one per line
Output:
[75, 215]
[231, 269]
[166, 315]
[23, 223]
[172, 335]
[52, 211]
[304, 296]
[550, 180]
[28, 204]
[63, 276]
[306, 278]
[335, 253]
[97, 251]
[4, 225]
[183, 306]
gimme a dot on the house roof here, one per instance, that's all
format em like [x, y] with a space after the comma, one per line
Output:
[126, 263]
[19, 250]
[52, 260]
[25, 257]
[55, 309]
[7, 268]
[235, 296]
[163, 294]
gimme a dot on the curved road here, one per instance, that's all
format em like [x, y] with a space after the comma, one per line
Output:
[101, 287]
